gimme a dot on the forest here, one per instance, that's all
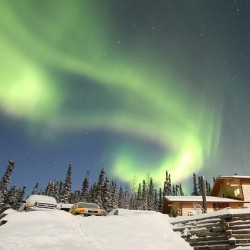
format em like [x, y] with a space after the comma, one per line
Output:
[105, 192]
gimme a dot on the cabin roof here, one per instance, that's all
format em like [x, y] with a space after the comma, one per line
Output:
[220, 179]
[199, 199]
[234, 177]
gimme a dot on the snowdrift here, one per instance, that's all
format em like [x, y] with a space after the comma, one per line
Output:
[59, 230]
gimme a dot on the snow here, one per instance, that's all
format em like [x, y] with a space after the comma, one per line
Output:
[59, 230]
[199, 199]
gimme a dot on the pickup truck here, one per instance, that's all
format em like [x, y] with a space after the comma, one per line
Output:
[37, 202]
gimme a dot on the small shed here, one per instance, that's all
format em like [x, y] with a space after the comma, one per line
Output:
[192, 205]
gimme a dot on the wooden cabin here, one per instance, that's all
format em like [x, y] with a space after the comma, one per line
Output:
[228, 191]
[193, 205]
[234, 187]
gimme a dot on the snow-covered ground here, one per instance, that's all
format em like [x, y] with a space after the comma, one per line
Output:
[59, 230]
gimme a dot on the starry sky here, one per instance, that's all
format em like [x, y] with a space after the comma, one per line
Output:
[137, 87]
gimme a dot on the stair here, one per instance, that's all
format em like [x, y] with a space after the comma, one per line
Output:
[219, 230]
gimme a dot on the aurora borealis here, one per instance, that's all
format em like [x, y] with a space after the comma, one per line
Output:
[136, 87]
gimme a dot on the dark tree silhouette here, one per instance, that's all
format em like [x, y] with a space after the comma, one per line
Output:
[67, 185]
[195, 190]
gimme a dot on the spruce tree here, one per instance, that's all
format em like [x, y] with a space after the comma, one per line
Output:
[161, 197]
[167, 185]
[4, 185]
[121, 198]
[151, 196]
[199, 186]
[208, 188]
[181, 190]
[156, 201]
[114, 195]
[99, 189]
[195, 190]
[35, 189]
[144, 195]
[67, 185]
[173, 190]
[138, 204]
[85, 187]
[107, 202]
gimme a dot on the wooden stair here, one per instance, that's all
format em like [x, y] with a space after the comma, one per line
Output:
[215, 231]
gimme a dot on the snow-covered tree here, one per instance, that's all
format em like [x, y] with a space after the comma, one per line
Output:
[67, 185]
[35, 189]
[138, 204]
[106, 200]
[151, 196]
[121, 198]
[167, 185]
[4, 185]
[99, 189]
[160, 203]
[144, 195]
[114, 195]
[85, 188]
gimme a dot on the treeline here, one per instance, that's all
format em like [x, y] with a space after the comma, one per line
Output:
[105, 192]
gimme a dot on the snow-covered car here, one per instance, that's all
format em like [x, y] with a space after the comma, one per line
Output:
[86, 209]
[37, 202]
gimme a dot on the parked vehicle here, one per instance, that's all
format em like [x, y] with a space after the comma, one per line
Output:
[64, 206]
[87, 209]
[39, 202]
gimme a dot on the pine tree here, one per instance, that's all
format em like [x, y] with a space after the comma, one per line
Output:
[156, 201]
[208, 188]
[199, 186]
[127, 196]
[173, 190]
[61, 190]
[12, 198]
[67, 185]
[99, 189]
[50, 189]
[144, 195]
[160, 203]
[114, 195]
[180, 190]
[107, 202]
[92, 193]
[35, 189]
[121, 198]
[133, 202]
[85, 187]
[195, 190]
[75, 196]
[4, 185]
[167, 185]
[56, 194]
[151, 196]
[6, 178]
[138, 204]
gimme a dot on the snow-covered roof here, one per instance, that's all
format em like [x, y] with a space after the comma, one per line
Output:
[199, 199]
[41, 198]
[234, 177]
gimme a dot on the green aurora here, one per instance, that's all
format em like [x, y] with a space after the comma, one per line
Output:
[136, 97]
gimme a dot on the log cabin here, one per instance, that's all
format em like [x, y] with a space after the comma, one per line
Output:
[228, 191]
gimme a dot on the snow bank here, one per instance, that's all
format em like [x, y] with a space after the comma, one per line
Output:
[59, 230]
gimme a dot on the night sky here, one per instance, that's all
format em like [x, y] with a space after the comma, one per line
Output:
[137, 87]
